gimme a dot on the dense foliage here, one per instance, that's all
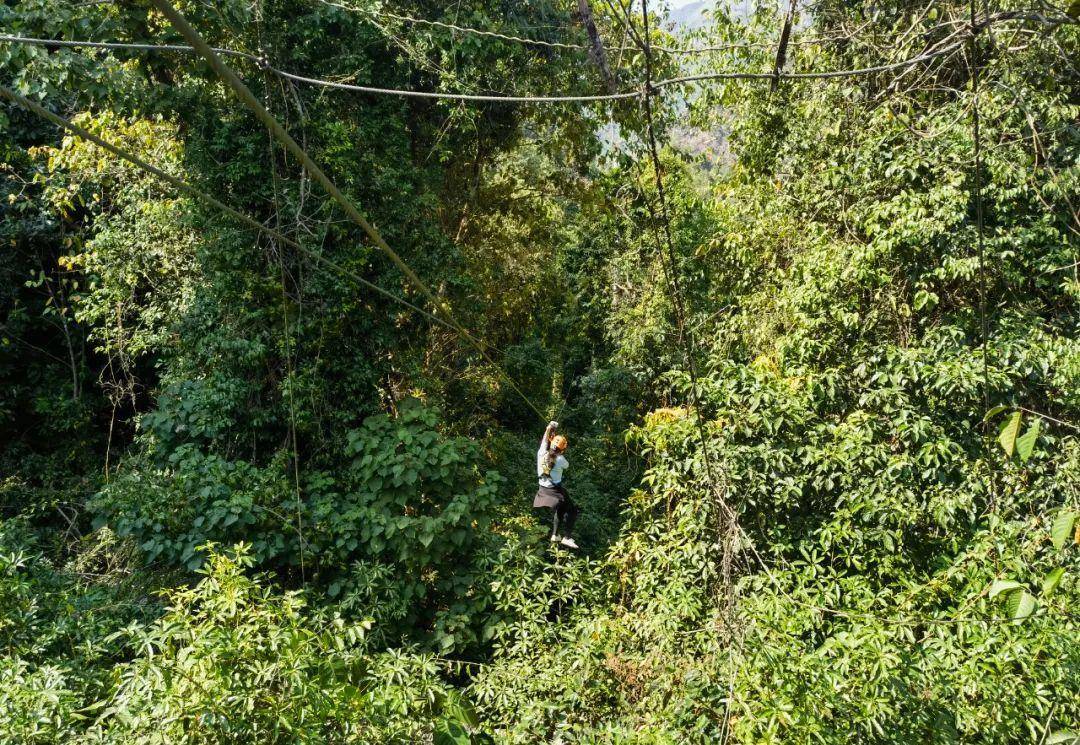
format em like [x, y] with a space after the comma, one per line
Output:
[246, 499]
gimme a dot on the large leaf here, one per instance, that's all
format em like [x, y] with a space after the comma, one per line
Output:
[456, 709]
[1052, 580]
[1025, 444]
[450, 733]
[1010, 428]
[1003, 585]
[1062, 527]
[1021, 604]
[994, 412]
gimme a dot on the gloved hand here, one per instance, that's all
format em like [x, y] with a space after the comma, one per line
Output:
[553, 425]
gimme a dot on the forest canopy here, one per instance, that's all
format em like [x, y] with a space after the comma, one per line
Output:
[289, 290]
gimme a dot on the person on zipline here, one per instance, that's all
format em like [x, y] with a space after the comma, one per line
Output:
[550, 464]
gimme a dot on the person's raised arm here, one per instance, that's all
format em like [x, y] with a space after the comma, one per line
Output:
[552, 426]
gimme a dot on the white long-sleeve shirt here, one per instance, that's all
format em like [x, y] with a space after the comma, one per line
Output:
[561, 464]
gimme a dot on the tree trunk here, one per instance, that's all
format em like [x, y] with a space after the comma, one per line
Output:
[596, 47]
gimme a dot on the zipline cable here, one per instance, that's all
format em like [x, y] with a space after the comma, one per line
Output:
[671, 270]
[248, 99]
[686, 341]
[824, 75]
[470, 97]
[456, 96]
[264, 64]
[186, 188]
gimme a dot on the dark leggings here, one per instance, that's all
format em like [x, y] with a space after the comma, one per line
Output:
[565, 513]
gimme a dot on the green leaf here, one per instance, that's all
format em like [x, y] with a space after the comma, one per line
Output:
[1063, 737]
[1010, 428]
[1026, 442]
[450, 733]
[1052, 580]
[944, 727]
[457, 710]
[925, 299]
[1062, 527]
[1003, 585]
[994, 412]
[1021, 605]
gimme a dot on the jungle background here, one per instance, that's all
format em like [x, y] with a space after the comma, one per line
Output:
[245, 499]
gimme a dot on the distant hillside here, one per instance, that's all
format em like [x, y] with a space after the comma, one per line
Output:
[691, 16]
[710, 146]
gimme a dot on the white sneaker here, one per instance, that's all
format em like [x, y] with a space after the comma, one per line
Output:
[568, 542]
[556, 538]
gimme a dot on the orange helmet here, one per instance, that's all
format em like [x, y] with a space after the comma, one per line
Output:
[558, 443]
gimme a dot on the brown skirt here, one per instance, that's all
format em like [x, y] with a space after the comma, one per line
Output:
[549, 496]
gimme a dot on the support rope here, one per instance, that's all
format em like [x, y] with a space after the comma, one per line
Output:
[288, 348]
[976, 136]
[686, 341]
[671, 270]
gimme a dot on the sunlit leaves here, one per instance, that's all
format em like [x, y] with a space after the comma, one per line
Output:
[1062, 527]
[1020, 604]
[1003, 585]
[1025, 444]
[1009, 437]
[289, 668]
[1052, 580]
[1008, 432]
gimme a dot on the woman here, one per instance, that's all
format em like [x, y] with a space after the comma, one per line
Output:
[550, 464]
